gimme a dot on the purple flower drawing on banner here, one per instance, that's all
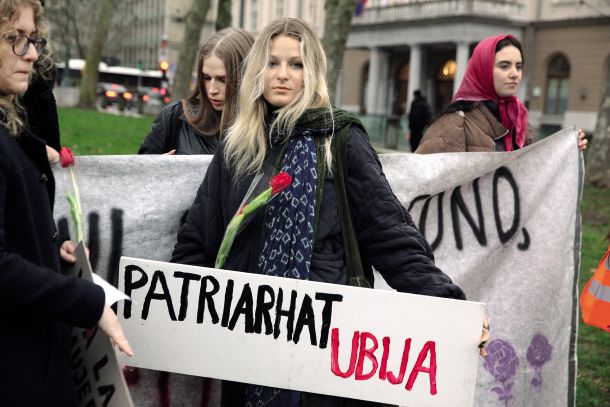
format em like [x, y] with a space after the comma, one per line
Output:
[502, 363]
[538, 353]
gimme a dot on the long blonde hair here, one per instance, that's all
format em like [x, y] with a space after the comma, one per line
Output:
[231, 46]
[9, 104]
[246, 144]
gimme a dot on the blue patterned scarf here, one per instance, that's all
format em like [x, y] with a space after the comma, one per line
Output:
[290, 219]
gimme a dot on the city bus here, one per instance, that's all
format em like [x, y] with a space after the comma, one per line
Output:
[131, 78]
[121, 85]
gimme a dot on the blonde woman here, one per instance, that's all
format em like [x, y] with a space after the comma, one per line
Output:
[38, 304]
[195, 125]
[285, 117]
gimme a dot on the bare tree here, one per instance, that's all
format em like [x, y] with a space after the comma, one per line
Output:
[195, 19]
[94, 54]
[77, 34]
[598, 154]
[337, 25]
[66, 17]
[224, 18]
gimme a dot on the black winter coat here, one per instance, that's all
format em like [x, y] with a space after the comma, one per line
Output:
[387, 237]
[171, 131]
[419, 115]
[37, 303]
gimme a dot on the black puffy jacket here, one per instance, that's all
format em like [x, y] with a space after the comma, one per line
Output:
[387, 237]
[171, 131]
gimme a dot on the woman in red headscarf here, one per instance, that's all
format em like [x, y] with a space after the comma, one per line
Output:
[485, 115]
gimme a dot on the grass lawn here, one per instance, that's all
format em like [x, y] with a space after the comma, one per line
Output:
[593, 382]
[89, 132]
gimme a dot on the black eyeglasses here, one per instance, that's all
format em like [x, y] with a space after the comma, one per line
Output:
[21, 43]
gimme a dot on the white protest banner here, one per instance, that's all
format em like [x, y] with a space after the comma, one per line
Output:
[505, 227]
[293, 334]
[98, 379]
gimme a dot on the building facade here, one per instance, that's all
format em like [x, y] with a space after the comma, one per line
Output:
[252, 15]
[425, 46]
[569, 61]
[398, 46]
[142, 32]
[148, 31]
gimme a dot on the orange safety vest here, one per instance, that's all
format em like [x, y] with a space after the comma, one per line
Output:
[595, 297]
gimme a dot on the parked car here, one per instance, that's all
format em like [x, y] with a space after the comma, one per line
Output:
[151, 99]
[109, 94]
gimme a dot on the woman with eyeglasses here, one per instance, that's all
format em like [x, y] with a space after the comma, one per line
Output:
[195, 125]
[40, 105]
[38, 305]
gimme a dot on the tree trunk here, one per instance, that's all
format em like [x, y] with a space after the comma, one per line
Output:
[598, 152]
[224, 18]
[189, 47]
[337, 26]
[94, 54]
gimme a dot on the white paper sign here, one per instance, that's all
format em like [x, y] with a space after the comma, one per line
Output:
[97, 376]
[112, 294]
[321, 338]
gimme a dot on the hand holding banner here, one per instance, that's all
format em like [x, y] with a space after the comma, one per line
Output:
[505, 227]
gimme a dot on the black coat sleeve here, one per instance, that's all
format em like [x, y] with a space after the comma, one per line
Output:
[200, 236]
[31, 291]
[28, 290]
[161, 139]
[388, 238]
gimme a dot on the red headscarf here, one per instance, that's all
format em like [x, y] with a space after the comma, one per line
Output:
[478, 84]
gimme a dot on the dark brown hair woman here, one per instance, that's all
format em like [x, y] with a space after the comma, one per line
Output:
[196, 124]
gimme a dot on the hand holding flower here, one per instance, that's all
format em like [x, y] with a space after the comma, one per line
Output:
[52, 155]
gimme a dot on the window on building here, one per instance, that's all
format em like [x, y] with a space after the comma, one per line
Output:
[607, 84]
[364, 88]
[313, 10]
[443, 85]
[400, 92]
[254, 15]
[557, 88]
[447, 72]
[279, 8]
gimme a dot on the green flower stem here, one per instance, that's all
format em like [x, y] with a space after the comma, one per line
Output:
[233, 227]
[76, 209]
[77, 218]
[227, 240]
[76, 192]
[257, 202]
